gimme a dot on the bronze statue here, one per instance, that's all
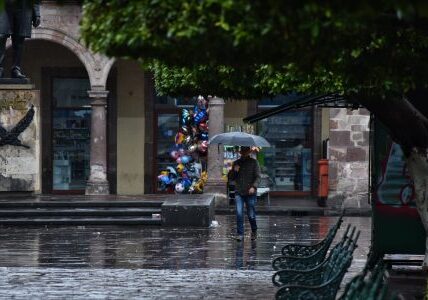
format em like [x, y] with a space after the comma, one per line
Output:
[15, 21]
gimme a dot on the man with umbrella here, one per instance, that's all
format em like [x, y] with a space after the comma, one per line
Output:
[246, 175]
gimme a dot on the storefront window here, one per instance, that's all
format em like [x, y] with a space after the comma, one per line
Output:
[177, 101]
[288, 162]
[71, 133]
[167, 127]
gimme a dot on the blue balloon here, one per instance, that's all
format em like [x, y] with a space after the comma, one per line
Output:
[200, 116]
[185, 113]
[203, 136]
[186, 182]
[166, 180]
[185, 159]
[195, 109]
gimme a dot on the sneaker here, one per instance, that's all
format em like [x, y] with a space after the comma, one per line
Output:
[239, 238]
[253, 236]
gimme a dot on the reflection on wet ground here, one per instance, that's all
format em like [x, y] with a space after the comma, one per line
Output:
[135, 251]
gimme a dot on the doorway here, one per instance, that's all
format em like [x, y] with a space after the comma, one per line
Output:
[66, 123]
[71, 120]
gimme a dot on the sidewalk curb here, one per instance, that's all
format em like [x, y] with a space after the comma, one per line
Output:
[300, 211]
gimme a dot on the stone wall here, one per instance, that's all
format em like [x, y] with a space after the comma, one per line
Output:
[349, 158]
[19, 165]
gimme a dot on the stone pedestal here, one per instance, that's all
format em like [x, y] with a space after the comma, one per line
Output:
[215, 185]
[19, 152]
[97, 183]
[188, 210]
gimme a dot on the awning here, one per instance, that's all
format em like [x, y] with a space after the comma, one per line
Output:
[331, 100]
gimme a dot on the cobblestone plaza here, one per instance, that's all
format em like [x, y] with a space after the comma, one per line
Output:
[133, 262]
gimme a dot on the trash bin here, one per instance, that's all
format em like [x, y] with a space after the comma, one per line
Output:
[323, 182]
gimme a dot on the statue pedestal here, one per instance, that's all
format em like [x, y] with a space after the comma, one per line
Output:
[19, 153]
[15, 82]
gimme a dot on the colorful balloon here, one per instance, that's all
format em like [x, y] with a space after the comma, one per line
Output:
[203, 126]
[203, 136]
[180, 168]
[192, 148]
[185, 159]
[202, 103]
[179, 187]
[200, 116]
[174, 154]
[166, 180]
[185, 113]
[203, 146]
[172, 171]
[184, 130]
[186, 182]
[188, 140]
[179, 137]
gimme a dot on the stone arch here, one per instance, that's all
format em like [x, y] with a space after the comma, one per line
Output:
[97, 65]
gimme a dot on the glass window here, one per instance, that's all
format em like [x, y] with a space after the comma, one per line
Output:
[167, 127]
[71, 144]
[71, 92]
[288, 162]
[177, 101]
[71, 133]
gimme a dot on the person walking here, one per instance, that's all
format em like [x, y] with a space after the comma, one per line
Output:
[246, 175]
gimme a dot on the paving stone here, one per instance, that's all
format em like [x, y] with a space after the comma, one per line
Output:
[139, 262]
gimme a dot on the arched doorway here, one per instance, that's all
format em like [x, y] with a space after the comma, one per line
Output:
[64, 83]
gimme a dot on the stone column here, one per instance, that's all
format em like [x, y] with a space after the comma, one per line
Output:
[97, 183]
[215, 184]
[349, 159]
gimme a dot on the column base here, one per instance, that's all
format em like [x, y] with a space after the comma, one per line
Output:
[97, 188]
[219, 190]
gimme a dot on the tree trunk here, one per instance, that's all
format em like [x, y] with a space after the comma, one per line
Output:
[417, 165]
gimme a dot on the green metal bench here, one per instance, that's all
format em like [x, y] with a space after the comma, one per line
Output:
[367, 285]
[321, 282]
[298, 250]
[287, 275]
[310, 261]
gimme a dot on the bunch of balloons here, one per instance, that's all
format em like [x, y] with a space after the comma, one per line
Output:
[191, 144]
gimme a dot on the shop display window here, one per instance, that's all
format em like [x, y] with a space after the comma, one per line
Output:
[71, 134]
[71, 144]
[167, 127]
[288, 162]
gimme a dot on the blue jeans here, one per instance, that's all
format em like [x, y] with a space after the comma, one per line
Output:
[250, 202]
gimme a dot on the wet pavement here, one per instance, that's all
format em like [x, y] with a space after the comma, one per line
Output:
[140, 262]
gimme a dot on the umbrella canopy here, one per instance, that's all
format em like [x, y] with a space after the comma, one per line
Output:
[238, 138]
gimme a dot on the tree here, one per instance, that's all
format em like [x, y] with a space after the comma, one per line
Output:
[372, 52]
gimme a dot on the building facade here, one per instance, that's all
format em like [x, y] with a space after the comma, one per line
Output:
[103, 130]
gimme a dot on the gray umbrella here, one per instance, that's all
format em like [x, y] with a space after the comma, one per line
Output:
[237, 138]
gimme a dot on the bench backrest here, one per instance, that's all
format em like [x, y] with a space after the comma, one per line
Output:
[326, 242]
[339, 256]
[367, 285]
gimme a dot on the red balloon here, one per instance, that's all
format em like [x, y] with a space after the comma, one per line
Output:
[203, 126]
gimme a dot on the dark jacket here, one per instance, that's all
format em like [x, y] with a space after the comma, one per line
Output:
[248, 175]
[16, 17]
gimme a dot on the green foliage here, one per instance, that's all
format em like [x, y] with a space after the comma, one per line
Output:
[241, 48]
[246, 83]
